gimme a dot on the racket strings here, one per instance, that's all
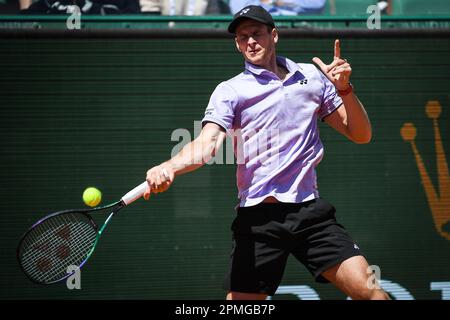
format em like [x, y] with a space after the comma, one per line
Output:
[55, 244]
[55, 257]
[49, 255]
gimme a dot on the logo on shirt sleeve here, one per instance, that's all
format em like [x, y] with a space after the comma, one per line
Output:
[209, 111]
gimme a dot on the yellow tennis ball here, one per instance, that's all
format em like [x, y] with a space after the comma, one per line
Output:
[92, 196]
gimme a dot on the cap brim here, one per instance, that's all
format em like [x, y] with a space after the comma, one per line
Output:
[234, 24]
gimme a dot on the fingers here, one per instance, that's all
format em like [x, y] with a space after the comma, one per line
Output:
[320, 63]
[334, 64]
[339, 70]
[327, 68]
[169, 177]
[344, 68]
[337, 49]
[147, 193]
[165, 180]
[159, 180]
[345, 71]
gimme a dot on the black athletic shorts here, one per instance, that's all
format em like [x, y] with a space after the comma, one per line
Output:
[264, 235]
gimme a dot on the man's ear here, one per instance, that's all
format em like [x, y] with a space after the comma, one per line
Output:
[275, 35]
[237, 45]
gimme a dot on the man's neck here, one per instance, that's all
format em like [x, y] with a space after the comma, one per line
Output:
[280, 70]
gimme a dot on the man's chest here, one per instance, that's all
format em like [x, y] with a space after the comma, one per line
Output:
[279, 104]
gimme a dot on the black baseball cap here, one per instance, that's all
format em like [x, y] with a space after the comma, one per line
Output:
[256, 13]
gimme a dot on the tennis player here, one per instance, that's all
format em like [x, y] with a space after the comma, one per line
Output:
[274, 105]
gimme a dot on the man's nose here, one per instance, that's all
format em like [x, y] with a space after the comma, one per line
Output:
[251, 40]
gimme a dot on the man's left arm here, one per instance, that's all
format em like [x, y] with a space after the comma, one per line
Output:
[350, 118]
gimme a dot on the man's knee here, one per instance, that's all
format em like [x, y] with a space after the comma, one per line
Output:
[233, 295]
[370, 294]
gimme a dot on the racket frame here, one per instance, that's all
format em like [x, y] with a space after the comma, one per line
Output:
[86, 212]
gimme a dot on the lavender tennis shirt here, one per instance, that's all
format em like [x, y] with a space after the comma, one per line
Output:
[274, 128]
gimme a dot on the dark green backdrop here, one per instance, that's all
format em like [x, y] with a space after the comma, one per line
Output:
[97, 112]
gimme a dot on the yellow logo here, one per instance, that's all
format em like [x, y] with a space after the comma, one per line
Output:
[439, 201]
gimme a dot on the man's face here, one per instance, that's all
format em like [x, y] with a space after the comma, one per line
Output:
[256, 42]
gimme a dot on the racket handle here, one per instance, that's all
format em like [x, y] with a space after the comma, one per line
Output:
[135, 194]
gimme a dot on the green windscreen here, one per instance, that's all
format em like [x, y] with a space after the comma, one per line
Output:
[100, 112]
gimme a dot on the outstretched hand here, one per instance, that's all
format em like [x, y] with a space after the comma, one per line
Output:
[338, 71]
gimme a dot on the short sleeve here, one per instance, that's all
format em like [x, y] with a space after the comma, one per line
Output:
[330, 99]
[221, 107]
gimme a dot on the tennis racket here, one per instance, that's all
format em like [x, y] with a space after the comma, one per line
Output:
[65, 238]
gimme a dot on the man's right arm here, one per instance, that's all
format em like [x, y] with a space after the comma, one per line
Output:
[193, 155]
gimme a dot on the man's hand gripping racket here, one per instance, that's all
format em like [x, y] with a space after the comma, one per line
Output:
[65, 238]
